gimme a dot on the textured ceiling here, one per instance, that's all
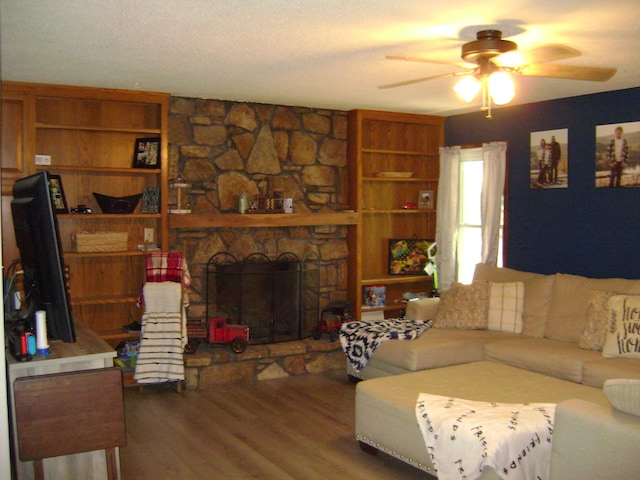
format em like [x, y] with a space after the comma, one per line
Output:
[314, 53]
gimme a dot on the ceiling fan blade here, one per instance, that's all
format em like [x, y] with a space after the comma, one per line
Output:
[571, 72]
[406, 58]
[550, 53]
[423, 79]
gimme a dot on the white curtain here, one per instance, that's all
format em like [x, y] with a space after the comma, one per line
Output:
[494, 162]
[447, 211]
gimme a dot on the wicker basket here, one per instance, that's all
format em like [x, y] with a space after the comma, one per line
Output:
[99, 241]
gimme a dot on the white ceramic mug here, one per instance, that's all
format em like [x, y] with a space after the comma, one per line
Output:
[287, 205]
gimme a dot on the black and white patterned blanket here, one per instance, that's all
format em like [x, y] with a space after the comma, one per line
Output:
[360, 339]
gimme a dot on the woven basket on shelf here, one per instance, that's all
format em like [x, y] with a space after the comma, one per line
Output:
[99, 241]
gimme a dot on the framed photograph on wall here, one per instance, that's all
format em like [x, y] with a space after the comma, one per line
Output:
[146, 153]
[617, 155]
[425, 199]
[549, 159]
[57, 194]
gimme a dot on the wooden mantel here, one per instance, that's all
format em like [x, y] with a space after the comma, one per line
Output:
[236, 220]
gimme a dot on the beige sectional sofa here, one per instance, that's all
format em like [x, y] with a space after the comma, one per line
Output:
[559, 352]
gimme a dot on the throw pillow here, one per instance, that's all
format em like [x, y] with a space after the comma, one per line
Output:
[624, 394]
[506, 304]
[594, 332]
[623, 334]
[463, 306]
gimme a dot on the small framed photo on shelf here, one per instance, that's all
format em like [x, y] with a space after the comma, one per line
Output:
[147, 153]
[425, 199]
[374, 296]
[57, 194]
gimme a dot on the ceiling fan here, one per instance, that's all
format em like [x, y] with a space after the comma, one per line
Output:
[491, 59]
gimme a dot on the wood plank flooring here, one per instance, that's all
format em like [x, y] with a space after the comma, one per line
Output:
[296, 428]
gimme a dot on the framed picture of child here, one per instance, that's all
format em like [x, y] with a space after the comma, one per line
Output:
[618, 155]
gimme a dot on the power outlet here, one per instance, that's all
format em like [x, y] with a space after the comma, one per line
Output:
[43, 159]
[148, 235]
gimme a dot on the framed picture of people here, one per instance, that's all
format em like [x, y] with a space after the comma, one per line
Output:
[618, 155]
[549, 159]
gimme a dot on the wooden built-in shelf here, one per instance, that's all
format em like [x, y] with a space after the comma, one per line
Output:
[395, 279]
[127, 253]
[86, 128]
[104, 300]
[386, 308]
[386, 151]
[406, 211]
[399, 179]
[84, 168]
[236, 220]
[108, 216]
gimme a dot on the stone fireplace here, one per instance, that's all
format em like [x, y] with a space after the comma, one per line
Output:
[224, 149]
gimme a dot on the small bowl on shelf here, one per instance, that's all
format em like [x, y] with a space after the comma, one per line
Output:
[121, 205]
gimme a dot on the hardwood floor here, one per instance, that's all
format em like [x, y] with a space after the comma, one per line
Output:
[297, 428]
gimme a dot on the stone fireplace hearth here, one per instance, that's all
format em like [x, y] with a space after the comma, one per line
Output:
[215, 366]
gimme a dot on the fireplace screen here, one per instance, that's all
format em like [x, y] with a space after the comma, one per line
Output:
[278, 299]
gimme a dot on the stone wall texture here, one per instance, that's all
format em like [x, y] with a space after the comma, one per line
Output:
[224, 149]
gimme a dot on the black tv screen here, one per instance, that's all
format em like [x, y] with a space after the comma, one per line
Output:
[38, 239]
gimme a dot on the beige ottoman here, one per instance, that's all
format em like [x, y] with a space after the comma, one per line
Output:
[385, 407]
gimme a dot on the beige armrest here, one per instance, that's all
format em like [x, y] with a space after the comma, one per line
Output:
[591, 441]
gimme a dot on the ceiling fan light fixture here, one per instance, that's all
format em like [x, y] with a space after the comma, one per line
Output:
[501, 87]
[467, 88]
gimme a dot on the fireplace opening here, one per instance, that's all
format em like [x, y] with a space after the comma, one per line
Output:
[278, 299]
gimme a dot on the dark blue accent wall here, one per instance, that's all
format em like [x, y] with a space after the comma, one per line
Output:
[581, 229]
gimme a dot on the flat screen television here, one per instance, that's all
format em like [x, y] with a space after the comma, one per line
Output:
[38, 240]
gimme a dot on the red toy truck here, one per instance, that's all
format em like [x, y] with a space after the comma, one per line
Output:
[331, 319]
[221, 332]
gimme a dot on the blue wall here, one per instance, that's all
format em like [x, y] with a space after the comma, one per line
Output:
[580, 229]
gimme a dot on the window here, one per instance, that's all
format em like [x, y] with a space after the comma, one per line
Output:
[469, 235]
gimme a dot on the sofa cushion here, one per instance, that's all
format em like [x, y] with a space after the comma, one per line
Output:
[596, 372]
[568, 309]
[435, 348]
[505, 306]
[463, 306]
[551, 357]
[537, 294]
[623, 334]
[595, 328]
[422, 309]
[624, 394]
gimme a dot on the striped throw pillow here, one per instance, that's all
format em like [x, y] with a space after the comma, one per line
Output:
[506, 304]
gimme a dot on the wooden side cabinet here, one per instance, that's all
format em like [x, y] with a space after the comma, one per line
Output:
[88, 353]
[87, 137]
[392, 158]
